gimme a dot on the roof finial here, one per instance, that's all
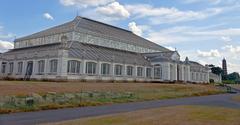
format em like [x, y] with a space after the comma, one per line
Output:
[175, 49]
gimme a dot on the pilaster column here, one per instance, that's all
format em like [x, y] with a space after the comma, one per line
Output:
[169, 71]
[175, 71]
[62, 63]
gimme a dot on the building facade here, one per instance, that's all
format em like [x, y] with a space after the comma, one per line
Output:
[84, 49]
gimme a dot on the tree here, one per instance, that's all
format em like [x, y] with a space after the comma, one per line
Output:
[216, 70]
[233, 76]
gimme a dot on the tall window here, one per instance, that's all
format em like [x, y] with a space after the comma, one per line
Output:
[197, 77]
[148, 72]
[11, 67]
[158, 72]
[91, 67]
[129, 70]
[41, 66]
[105, 69]
[139, 71]
[118, 70]
[53, 66]
[74, 67]
[20, 67]
[4, 67]
[193, 76]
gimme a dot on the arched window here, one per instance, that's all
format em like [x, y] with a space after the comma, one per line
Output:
[140, 71]
[4, 65]
[91, 68]
[193, 76]
[148, 72]
[74, 67]
[118, 70]
[11, 66]
[41, 65]
[158, 72]
[105, 69]
[20, 67]
[53, 66]
[129, 70]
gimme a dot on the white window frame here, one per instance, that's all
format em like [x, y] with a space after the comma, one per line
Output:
[4, 67]
[74, 67]
[41, 66]
[20, 68]
[105, 68]
[11, 67]
[118, 70]
[140, 71]
[158, 74]
[91, 68]
[53, 66]
[148, 74]
[130, 70]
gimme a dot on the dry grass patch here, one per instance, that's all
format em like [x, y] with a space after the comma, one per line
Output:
[54, 95]
[177, 115]
[27, 87]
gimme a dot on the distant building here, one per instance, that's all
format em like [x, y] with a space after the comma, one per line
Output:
[84, 49]
[224, 67]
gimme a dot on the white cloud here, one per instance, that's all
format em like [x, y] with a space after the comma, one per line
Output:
[211, 53]
[213, 2]
[5, 45]
[170, 48]
[134, 28]
[114, 10]
[48, 16]
[6, 36]
[220, 32]
[232, 49]
[197, 1]
[180, 34]
[226, 39]
[169, 15]
[85, 3]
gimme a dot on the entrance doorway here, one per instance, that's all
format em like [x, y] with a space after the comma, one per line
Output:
[29, 70]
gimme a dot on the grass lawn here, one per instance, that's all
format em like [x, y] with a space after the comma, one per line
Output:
[77, 94]
[147, 90]
[177, 115]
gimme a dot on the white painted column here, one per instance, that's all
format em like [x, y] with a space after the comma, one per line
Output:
[144, 72]
[152, 72]
[1, 68]
[15, 68]
[182, 73]
[175, 71]
[83, 67]
[34, 70]
[169, 71]
[111, 69]
[62, 63]
[189, 73]
[99, 68]
[135, 71]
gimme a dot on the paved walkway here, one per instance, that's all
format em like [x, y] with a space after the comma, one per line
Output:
[33, 118]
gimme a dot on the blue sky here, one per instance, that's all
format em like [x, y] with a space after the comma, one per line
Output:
[204, 30]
